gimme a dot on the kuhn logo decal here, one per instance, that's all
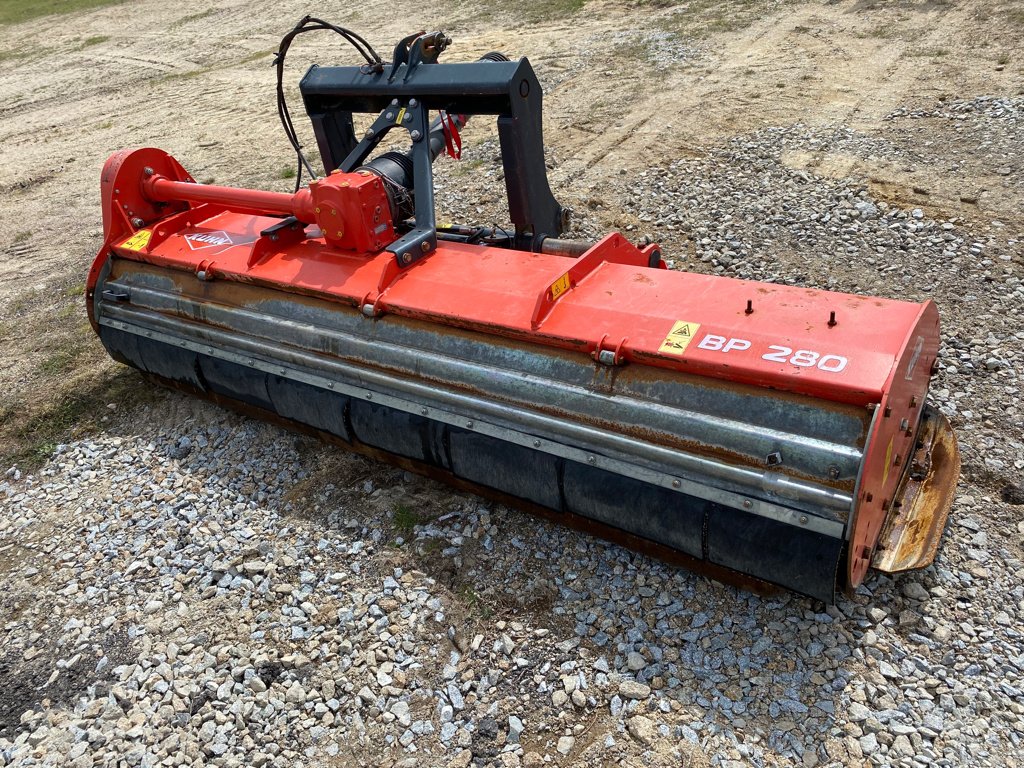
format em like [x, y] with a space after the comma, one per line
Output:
[199, 240]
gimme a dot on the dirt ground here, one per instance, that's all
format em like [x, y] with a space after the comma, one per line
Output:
[628, 86]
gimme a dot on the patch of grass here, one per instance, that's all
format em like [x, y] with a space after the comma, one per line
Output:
[475, 603]
[60, 362]
[22, 237]
[255, 56]
[530, 11]
[94, 40]
[701, 18]
[405, 520]
[12, 54]
[78, 289]
[1003, 59]
[106, 124]
[287, 172]
[29, 435]
[17, 11]
[192, 17]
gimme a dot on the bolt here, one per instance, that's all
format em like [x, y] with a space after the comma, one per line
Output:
[833, 472]
[147, 171]
[904, 424]
[747, 504]
[413, 103]
[591, 460]
[536, 443]
[330, 385]
[803, 519]
[415, 135]
[469, 424]
[424, 246]
[406, 258]
[368, 134]
[369, 395]
[251, 361]
[317, 209]
[137, 222]
[408, 119]
[750, 308]
[676, 483]
[394, 102]
[831, 319]
[423, 411]
[389, 115]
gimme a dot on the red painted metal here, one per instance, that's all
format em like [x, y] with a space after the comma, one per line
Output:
[877, 353]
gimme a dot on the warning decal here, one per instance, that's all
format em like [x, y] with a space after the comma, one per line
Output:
[138, 241]
[679, 338]
[560, 286]
[888, 461]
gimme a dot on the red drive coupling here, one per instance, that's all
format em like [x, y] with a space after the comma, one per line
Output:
[352, 211]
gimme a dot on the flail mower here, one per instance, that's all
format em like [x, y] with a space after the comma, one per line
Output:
[763, 434]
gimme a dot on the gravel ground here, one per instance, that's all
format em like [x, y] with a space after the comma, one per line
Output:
[233, 595]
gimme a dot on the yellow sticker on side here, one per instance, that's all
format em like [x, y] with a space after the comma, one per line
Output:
[560, 286]
[679, 337]
[401, 116]
[888, 461]
[138, 241]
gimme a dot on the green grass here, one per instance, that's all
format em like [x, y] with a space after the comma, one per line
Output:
[17, 11]
[701, 18]
[288, 172]
[192, 17]
[60, 362]
[544, 10]
[405, 520]
[22, 237]
[94, 40]
[29, 435]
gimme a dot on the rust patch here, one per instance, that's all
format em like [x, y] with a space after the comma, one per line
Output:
[911, 537]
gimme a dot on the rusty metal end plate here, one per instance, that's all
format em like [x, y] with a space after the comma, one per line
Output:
[913, 531]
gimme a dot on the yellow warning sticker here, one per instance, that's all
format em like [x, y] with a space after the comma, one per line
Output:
[138, 241]
[679, 337]
[560, 286]
[888, 460]
[401, 115]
